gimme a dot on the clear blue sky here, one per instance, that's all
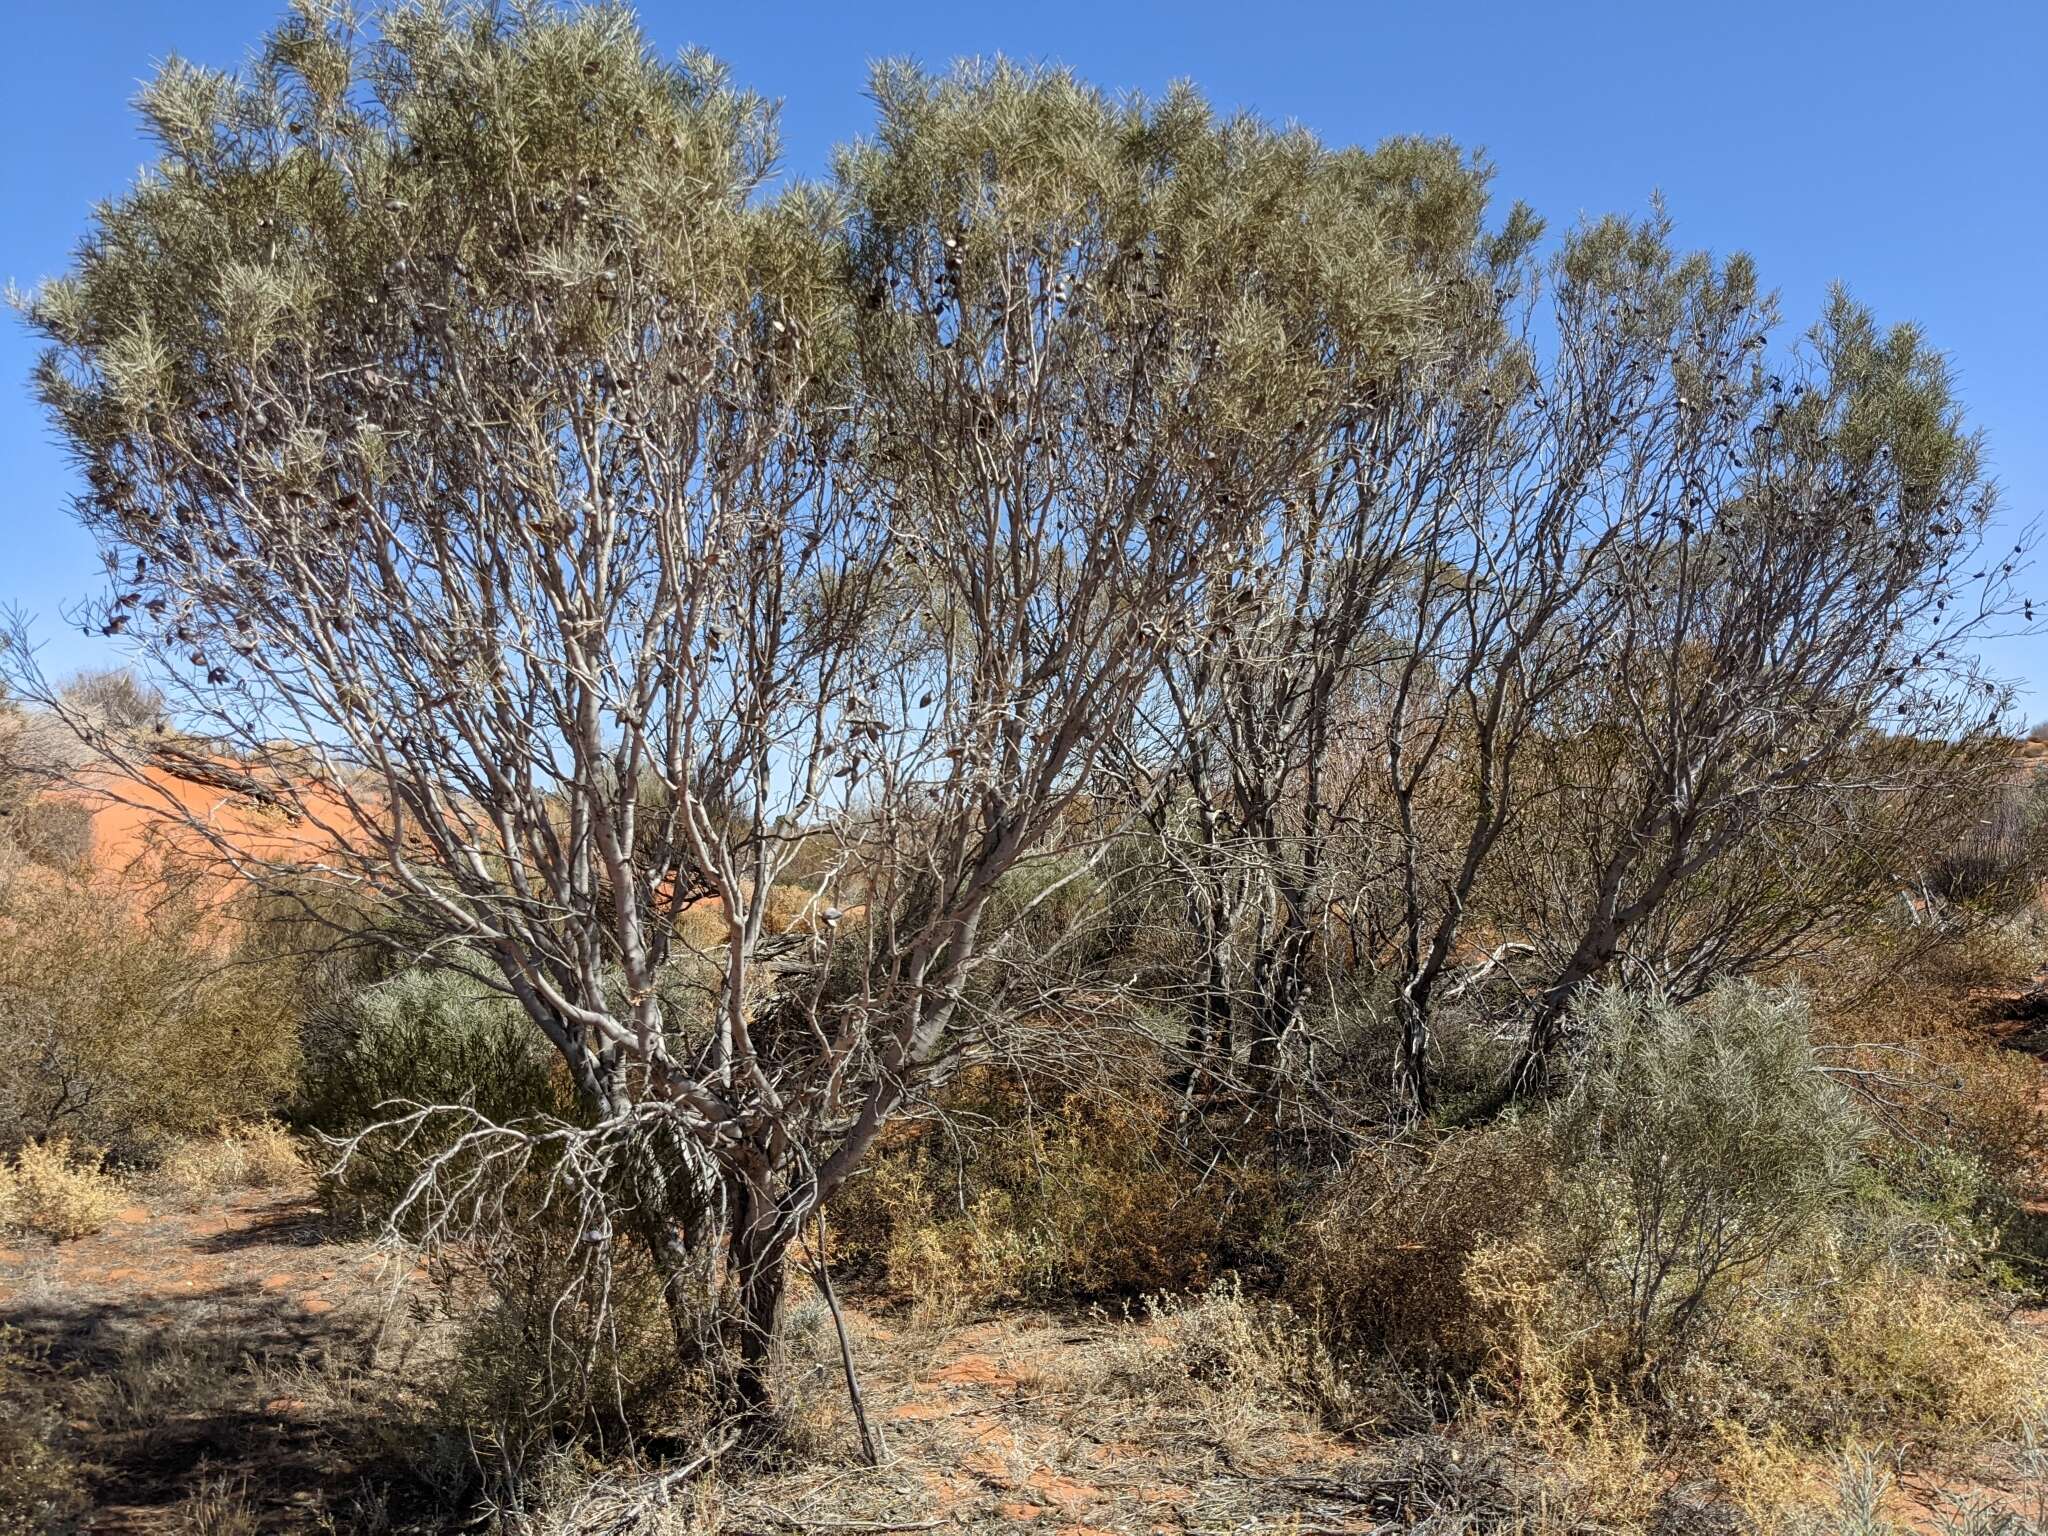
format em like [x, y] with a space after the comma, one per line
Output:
[1898, 145]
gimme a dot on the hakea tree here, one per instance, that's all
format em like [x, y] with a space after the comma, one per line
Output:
[1688, 663]
[1609, 635]
[1551, 456]
[1257, 712]
[566, 537]
[1786, 683]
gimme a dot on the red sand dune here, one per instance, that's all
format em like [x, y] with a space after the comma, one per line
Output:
[192, 822]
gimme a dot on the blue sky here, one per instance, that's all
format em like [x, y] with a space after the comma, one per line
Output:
[1900, 147]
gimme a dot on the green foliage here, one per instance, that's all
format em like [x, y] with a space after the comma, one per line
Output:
[1243, 232]
[443, 147]
[131, 1016]
[424, 1036]
[1704, 1141]
[421, 1037]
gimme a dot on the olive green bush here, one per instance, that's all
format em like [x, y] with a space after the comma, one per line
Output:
[1702, 1141]
[1706, 1219]
[421, 1037]
[131, 1018]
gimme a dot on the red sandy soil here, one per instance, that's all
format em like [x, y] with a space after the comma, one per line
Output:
[263, 1249]
[248, 1284]
[136, 825]
[983, 1432]
[991, 1424]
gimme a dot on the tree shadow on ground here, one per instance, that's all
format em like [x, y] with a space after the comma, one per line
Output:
[233, 1387]
[295, 1225]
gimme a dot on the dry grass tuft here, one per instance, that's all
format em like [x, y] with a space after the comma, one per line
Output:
[220, 1506]
[57, 1192]
[1929, 1073]
[41, 1490]
[261, 1155]
[1070, 1195]
[573, 1497]
[1764, 1477]
[1232, 1368]
[1386, 1264]
[1896, 1355]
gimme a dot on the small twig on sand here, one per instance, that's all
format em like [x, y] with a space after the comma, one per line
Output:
[797, 1524]
[658, 1492]
[871, 1446]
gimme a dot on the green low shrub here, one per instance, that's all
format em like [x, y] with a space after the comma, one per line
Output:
[424, 1037]
[421, 1037]
[1705, 1218]
[1701, 1142]
[132, 1019]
